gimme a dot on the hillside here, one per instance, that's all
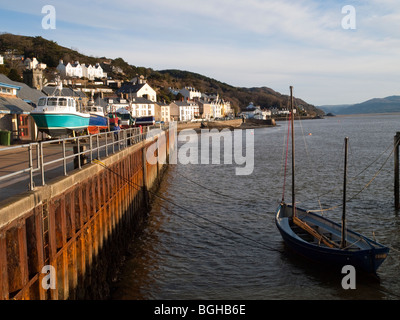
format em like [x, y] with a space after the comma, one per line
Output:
[376, 105]
[50, 52]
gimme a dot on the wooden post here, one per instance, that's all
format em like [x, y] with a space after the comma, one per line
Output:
[396, 170]
[293, 161]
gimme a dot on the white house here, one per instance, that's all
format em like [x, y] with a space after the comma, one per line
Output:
[255, 112]
[33, 63]
[70, 70]
[139, 89]
[190, 93]
[281, 112]
[80, 70]
[113, 104]
[93, 72]
[184, 110]
[141, 107]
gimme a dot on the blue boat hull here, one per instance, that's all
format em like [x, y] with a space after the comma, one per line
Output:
[365, 259]
[97, 123]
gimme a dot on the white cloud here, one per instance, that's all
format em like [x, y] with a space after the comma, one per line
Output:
[242, 42]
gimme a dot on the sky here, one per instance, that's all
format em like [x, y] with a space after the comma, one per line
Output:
[331, 53]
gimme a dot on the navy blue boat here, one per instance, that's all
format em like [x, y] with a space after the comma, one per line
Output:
[145, 121]
[325, 245]
[320, 239]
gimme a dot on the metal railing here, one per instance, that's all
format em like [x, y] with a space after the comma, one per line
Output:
[54, 154]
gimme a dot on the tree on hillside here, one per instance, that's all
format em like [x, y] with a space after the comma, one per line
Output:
[13, 75]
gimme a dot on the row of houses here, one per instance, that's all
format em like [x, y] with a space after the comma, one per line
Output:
[255, 112]
[80, 70]
[185, 110]
[17, 100]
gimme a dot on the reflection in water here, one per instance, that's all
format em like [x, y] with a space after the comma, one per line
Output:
[220, 240]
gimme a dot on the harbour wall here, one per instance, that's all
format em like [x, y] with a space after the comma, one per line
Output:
[64, 240]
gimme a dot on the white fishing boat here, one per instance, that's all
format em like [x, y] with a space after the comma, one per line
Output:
[59, 115]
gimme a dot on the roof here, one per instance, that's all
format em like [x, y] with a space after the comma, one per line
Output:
[14, 105]
[68, 92]
[142, 100]
[130, 88]
[185, 103]
[162, 103]
[98, 101]
[6, 85]
[26, 92]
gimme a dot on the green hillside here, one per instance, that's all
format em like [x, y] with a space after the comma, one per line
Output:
[50, 52]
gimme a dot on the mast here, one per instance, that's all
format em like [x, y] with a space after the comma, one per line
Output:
[293, 166]
[343, 241]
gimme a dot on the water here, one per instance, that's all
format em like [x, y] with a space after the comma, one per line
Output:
[216, 238]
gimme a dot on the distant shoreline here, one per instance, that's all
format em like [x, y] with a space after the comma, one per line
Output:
[228, 124]
[363, 114]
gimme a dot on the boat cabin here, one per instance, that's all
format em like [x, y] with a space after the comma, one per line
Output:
[52, 103]
[95, 109]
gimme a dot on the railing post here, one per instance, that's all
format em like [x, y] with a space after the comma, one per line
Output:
[98, 146]
[64, 159]
[42, 163]
[79, 155]
[106, 144]
[91, 148]
[113, 142]
[30, 168]
[396, 171]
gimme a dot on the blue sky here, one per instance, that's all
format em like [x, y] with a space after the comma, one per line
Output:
[248, 43]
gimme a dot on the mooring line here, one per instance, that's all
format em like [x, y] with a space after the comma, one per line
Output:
[187, 210]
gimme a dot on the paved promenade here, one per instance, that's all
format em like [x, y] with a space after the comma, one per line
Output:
[17, 159]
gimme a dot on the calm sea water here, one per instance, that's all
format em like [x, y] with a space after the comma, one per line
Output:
[211, 234]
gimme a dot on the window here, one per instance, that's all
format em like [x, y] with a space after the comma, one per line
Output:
[42, 102]
[6, 90]
[62, 101]
[52, 102]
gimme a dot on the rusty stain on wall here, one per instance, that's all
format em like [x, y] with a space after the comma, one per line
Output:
[79, 225]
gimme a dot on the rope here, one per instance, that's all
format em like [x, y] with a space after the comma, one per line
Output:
[185, 209]
[366, 185]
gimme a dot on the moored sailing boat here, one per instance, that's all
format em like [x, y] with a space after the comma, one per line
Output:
[322, 240]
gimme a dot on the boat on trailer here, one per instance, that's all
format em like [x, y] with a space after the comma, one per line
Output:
[59, 115]
[320, 239]
[98, 120]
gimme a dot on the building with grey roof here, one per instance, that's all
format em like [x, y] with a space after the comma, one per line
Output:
[15, 114]
[25, 92]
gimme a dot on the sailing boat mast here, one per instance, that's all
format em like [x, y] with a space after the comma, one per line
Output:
[343, 241]
[293, 166]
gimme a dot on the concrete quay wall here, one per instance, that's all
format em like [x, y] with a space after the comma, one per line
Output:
[64, 240]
